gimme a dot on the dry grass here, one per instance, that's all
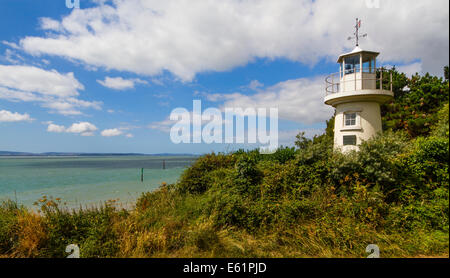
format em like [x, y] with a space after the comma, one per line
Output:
[31, 235]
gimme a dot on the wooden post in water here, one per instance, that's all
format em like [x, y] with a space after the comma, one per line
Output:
[164, 165]
[142, 174]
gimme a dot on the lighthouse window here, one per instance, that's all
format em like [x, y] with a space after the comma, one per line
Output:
[368, 65]
[350, 140]
[350, 119]
[352, 64]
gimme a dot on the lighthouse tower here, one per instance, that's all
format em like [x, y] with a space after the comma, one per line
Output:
[356, 93]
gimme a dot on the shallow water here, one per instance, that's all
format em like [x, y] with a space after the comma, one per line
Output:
[85, 180]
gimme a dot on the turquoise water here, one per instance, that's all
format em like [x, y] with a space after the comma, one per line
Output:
[85, 180]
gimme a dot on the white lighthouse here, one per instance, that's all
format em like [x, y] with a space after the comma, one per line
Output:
[356, 93]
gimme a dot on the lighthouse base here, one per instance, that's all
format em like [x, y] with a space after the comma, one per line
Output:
[355, 122]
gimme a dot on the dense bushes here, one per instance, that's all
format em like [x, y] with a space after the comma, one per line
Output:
[91, 229]
[417, 101]
[196, 180]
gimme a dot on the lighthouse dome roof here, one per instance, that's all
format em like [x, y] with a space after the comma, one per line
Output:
[358, 50]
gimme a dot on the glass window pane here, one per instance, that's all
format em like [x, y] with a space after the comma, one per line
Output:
[368, 64]
[352, 64]
[350, 119]
[350, 140]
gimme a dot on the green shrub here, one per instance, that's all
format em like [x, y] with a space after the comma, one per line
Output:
[378, 161]
[195, 179]
[415, 110]
[282, 155]
[90, 229]
[441, 128]
[9, 213]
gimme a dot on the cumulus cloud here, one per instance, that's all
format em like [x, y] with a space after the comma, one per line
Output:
[111, 132]
[8, 116]
[118, 83]
[56, 91]
[82, 128]
[50, 24]
[298, 100]
[33, 79]
[150, 37]
[56, 128]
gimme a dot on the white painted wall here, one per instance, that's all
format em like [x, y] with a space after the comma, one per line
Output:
[368, 123]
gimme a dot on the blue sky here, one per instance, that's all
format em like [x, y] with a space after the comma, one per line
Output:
[105, 78]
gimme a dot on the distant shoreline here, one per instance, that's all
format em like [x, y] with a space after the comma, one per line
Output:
[69, 154]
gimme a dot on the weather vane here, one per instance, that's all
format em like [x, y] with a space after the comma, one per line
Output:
[356, 37]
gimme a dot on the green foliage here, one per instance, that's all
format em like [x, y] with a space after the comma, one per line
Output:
[377, 160]
[417, 101]
[441, 128]
[282, 155]
[301, 141]
[195, 179]
[91, 229]
[9, 213]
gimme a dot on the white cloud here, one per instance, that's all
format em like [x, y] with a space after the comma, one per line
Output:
[129, 135]
[411, 69]
[118, 83]
[56, 128]
[12, 57]
[187, 37]
[298, 100]
[53, 90]
[8, 116]
[255, 85]
[11, 44]
[83, 128]
[50, 24]
[33, 79]
[111, 132]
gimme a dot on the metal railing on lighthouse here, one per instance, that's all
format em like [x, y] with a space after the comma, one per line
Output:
[336, 81]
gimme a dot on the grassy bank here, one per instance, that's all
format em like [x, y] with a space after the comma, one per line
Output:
[307, 201]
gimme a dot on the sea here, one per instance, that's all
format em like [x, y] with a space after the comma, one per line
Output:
[86, 181]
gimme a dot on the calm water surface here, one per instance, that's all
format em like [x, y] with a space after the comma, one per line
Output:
[85, 180]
